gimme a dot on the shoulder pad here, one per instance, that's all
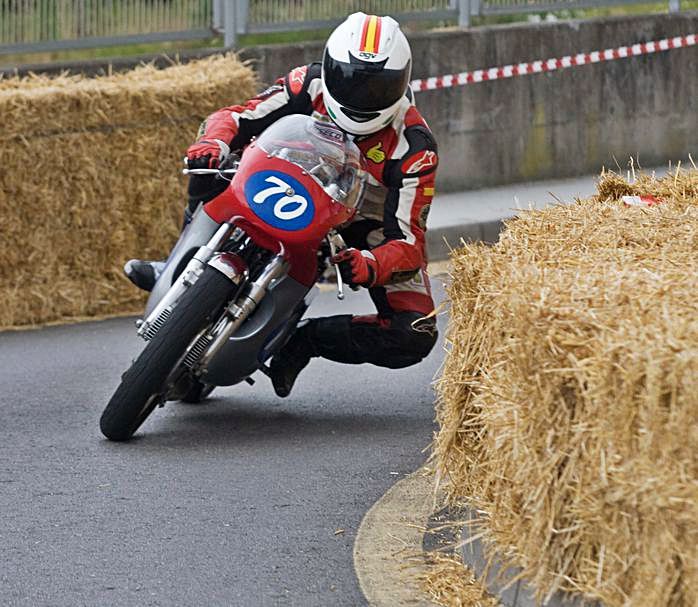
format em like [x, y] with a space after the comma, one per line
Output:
[420, 158]
[422, 155]
[295, 80]
[299, 78]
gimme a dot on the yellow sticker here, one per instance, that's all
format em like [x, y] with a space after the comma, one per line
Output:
[376, 153]
[428, 191]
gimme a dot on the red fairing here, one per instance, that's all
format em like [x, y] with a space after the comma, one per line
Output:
[301, 242]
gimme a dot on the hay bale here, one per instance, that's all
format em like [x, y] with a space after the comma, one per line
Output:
[448, 582]
[91, 176]
[568, 403]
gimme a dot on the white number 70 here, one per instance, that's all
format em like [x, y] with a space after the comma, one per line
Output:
[281, 187]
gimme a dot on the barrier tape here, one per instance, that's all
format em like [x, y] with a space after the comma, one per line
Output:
[550, 65]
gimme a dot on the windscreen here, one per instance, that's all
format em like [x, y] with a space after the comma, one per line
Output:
[321, 149]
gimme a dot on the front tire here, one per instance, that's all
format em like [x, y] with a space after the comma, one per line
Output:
[142, 386]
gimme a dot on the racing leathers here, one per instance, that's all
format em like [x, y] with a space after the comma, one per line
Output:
[389, 228]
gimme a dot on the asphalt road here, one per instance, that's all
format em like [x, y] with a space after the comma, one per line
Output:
[247, 500]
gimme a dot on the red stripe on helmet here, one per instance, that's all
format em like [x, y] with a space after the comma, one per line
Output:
[377, 43]
[364, 32]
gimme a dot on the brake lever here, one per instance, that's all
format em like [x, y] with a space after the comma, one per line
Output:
[337, 244]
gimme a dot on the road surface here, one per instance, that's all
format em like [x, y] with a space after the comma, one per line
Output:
[249, 500]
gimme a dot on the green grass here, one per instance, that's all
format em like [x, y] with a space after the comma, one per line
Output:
[107, 52]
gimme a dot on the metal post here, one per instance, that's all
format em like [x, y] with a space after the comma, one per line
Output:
[674, 6]
[217, 15]
[243, 9]
[463, 13]
[229, 25]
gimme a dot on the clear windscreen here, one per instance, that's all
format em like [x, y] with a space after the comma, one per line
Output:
[321, 149]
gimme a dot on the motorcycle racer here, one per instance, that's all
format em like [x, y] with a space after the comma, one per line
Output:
[362, 85]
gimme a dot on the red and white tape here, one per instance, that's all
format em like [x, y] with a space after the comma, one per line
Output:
[549, 65]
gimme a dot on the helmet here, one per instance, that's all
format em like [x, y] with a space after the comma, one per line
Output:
[365, 72]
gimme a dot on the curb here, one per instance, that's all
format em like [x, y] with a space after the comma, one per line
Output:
[499, 579]
[388, 554]
[391, 544]
[440, 241]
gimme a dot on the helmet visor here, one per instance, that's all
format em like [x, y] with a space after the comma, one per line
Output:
[362, 86]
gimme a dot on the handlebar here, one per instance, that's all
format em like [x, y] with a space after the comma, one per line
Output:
[209, 171]
[232, 160]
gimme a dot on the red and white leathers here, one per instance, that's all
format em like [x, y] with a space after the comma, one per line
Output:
[401, 160]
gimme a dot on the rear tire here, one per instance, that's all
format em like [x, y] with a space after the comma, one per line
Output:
[141, 388]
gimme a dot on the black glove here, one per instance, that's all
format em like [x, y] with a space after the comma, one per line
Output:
[358, 268]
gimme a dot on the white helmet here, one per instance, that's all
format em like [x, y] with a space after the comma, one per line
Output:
[365, 72]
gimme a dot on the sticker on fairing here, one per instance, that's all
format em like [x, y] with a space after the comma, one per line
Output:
[279, 200]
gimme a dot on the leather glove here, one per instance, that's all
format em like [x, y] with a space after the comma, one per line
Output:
[207, 154]
[358, 268]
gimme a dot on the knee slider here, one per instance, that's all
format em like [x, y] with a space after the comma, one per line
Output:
[413, 338]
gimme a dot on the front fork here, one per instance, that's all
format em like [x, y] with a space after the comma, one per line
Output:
[240, 309]
[210, 341]
[148, 327]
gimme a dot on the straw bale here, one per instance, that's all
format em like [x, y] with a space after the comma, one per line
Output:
[90, 177]
[568, 402]
[449, 582]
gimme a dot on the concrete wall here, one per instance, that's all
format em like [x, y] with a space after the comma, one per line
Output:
[564, 123]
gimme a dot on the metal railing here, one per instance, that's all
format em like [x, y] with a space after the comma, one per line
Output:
[43, 25]
[263, 16]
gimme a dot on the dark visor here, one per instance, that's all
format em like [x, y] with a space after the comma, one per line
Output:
[362, 86]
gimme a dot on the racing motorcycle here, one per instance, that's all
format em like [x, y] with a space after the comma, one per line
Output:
[243, 272]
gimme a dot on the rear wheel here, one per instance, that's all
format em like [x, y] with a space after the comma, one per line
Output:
[143, 386]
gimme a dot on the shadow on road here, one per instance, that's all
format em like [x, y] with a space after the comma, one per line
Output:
[219, 423]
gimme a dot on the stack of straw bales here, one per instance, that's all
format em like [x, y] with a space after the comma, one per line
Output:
[569, 398]
[90, 176]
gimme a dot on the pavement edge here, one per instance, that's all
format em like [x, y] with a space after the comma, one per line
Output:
[388, 553]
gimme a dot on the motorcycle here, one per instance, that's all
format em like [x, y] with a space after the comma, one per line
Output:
[243, 272]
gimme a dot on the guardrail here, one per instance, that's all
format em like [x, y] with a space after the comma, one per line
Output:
[28, 26]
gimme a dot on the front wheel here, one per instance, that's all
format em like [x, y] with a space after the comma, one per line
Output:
[143, 386]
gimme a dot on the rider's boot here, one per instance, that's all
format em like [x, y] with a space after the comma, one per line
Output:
[202, 188]
[145, 273]
[325, 337]
[288, 362]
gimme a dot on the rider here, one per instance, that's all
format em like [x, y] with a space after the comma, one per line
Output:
[362, 84]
